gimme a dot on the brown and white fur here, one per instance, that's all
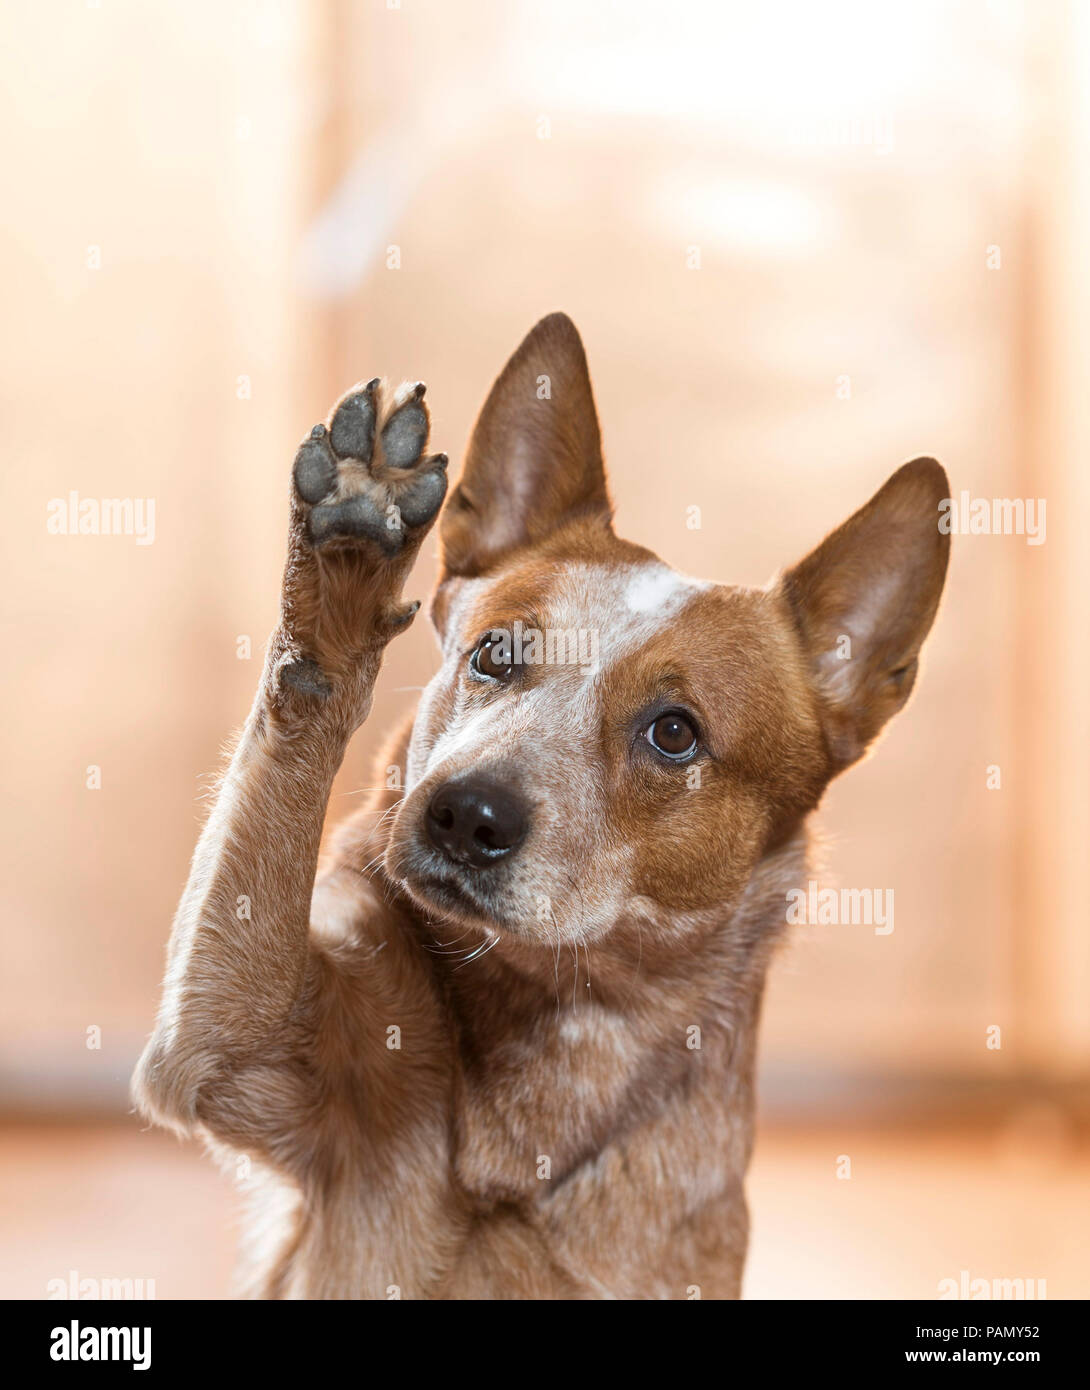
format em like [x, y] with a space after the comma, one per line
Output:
[458, 1077]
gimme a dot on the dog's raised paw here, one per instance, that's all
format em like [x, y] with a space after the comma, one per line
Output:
[358, 482]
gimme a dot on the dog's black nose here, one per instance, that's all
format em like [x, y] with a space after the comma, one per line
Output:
[476, 822]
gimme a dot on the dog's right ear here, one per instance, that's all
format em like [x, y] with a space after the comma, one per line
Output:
[534, 460]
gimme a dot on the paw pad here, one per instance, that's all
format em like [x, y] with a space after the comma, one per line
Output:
[406, 432]
[315, 467]
[352, 430]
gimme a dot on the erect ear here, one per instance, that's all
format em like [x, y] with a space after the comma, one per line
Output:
[864, 601]
[535, 457]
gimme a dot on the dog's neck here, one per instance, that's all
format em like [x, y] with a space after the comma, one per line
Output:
[565, 1048]
[569, 1052]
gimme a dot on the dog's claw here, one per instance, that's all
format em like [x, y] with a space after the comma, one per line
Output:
[400, 615]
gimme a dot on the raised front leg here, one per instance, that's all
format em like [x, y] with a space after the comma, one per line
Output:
[363, 497]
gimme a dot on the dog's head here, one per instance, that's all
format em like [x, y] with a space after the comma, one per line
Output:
[606, 735]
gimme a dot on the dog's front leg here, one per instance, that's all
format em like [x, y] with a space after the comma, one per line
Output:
[362, 501]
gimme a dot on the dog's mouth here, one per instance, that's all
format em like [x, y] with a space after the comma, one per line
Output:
[452, 897]
[443, 889]
[432, 890]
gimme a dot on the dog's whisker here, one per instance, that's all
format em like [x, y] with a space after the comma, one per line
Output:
[480, 951]
[358, 791]
[439, 950]
[556, 963]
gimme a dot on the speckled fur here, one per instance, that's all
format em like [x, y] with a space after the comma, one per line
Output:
[546, 1127]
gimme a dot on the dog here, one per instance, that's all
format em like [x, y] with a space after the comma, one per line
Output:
[503, 1048]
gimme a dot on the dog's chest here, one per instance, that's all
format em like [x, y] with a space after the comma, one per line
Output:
[566, 1167]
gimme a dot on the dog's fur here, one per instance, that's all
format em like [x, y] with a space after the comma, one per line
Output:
[532, 1079]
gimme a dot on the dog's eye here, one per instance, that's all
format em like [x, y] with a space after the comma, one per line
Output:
[673, 735]
[490, 661]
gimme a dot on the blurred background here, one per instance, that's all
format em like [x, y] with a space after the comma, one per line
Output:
[803, 244]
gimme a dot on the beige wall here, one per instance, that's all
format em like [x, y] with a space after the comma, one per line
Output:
[244, 170]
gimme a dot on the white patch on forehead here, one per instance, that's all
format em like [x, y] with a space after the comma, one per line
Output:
[628, 607]
[656, 589]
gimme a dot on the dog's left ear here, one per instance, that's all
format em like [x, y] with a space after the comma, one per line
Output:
[864, 601]
[535, 458]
